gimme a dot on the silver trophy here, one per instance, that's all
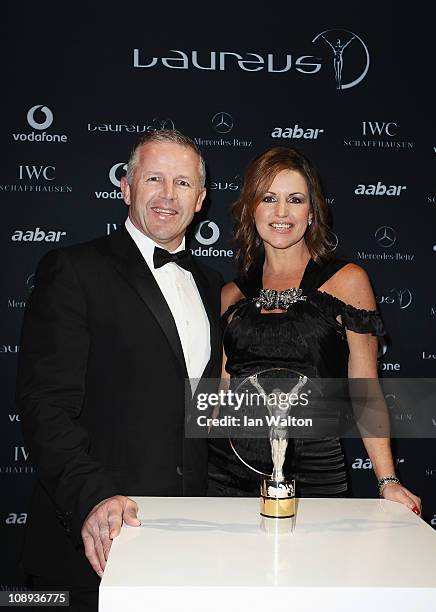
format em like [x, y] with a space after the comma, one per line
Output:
[278, 388]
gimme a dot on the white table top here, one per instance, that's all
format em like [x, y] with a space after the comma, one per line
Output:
[209, 554]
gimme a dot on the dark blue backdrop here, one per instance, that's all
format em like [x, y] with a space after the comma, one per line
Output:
[78, 88]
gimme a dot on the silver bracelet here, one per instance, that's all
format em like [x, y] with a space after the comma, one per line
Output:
[386, 480]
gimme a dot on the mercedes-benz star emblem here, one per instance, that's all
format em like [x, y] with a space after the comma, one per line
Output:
[385, 236]
[222, 122]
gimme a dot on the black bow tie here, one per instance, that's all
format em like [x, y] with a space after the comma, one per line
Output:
[181, 258]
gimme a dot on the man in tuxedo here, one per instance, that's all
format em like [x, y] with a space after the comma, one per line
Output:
[111, 332]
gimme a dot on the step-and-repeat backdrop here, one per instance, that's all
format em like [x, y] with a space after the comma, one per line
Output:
[348, 86]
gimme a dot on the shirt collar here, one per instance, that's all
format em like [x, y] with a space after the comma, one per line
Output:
[146, 245]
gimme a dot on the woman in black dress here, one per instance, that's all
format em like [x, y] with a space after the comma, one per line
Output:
[330, 331]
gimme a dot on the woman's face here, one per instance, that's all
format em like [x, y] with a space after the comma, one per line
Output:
[284, 211]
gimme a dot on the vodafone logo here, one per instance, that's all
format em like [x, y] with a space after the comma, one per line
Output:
[39, 117]
[207, 236]
[114, 172]
[45, 111]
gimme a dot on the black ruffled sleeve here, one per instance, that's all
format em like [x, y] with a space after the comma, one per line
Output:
[362, 321]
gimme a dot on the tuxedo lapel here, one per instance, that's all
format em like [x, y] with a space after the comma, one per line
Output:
[132, 267]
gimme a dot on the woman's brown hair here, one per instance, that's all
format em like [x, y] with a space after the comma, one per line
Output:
[258, 177]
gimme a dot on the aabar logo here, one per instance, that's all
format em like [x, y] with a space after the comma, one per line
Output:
[14, 518]
[380, 189]
[296, 132]
[37, 235]
[366, 464]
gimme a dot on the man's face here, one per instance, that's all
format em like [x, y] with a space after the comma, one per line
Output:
[164, 192]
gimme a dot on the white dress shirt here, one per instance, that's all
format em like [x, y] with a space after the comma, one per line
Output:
[181, 294]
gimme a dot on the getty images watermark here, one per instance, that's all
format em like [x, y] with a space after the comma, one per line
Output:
[315, 408]
[277, 403]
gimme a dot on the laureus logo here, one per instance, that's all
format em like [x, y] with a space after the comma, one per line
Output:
[345, 52]
[337, 41]
[333, 241]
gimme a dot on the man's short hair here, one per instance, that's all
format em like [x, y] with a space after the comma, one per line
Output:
[173, 136]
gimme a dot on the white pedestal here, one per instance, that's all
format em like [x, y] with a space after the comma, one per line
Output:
[209, 554]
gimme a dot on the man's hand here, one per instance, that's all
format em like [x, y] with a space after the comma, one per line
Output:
[103, 524]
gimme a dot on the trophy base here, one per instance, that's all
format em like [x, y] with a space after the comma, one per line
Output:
[277, 506]
[277, 527]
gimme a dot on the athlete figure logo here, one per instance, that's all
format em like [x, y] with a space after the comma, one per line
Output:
[338, 48]
[342, 38]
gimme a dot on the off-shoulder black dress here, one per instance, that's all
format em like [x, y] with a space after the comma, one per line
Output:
[309, 339]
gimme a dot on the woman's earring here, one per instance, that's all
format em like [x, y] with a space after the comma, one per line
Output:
[309, 221]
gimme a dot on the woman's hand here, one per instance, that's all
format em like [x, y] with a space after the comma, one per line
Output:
[398, 493]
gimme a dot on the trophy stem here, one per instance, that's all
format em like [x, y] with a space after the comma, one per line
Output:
[277, 475]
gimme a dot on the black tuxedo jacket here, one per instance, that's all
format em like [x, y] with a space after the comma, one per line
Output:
[101, 394]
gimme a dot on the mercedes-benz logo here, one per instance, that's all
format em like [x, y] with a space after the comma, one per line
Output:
[222, 122]
[385, 236]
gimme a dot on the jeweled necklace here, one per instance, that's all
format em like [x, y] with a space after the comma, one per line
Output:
[270, 299]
